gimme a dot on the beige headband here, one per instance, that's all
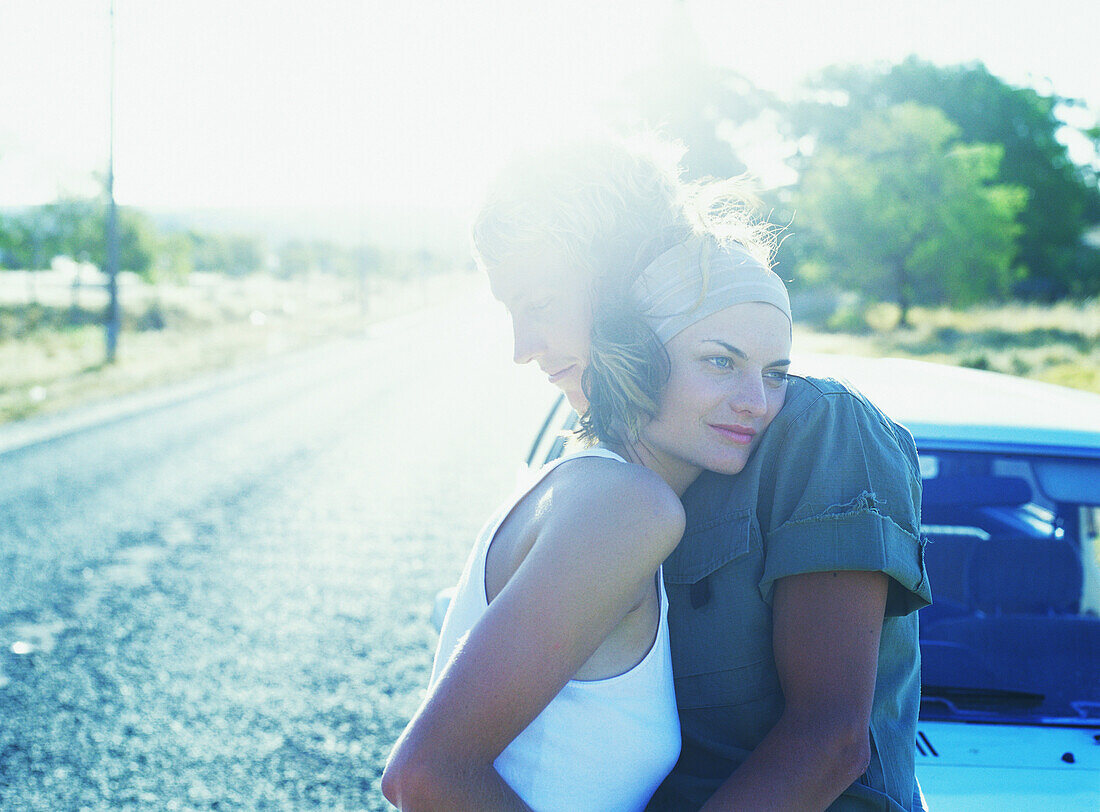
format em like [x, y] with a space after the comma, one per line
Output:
[698, 278]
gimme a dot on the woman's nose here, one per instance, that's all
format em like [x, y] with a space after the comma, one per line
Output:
[749, 396]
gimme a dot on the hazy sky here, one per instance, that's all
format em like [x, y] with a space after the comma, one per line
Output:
[246, 102]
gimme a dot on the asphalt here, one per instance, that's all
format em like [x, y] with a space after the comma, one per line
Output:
[217, 596]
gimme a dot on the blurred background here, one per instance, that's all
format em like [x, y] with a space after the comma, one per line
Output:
[343, 149]
[254, 399]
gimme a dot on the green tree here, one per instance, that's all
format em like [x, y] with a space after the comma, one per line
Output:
[207, 252]
[39, 233]
[85, 237]
[175, 257]
[77, 228]
[244, 255]
[14, 251]
[1063, 198]
[903, 212]
[232, 254]
[295, 259]
[301, 257]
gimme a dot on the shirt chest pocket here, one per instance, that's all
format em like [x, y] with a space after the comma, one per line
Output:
[721, 628]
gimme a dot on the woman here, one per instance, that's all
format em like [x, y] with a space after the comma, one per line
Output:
[552, 687]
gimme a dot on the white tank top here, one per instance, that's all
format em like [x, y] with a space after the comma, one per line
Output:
[600, 745]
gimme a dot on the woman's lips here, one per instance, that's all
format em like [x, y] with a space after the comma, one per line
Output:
[738, 434]
[561, 373]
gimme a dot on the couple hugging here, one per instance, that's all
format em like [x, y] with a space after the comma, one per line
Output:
[711, 600]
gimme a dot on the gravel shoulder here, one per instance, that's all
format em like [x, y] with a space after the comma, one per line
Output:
[232, 610]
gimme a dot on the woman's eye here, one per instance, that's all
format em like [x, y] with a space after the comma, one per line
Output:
[720, 361]
[776, 376]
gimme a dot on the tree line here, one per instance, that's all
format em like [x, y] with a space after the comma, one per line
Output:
[913, 183]
[30, 238]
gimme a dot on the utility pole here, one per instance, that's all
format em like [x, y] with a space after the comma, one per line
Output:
[113, 321]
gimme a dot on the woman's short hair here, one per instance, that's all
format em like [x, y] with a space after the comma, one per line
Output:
[609, 207]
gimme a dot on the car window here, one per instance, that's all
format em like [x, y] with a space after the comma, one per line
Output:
[1013, 630]
[550, 441]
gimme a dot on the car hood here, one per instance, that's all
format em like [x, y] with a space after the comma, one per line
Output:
[948, 404]
[976, 766]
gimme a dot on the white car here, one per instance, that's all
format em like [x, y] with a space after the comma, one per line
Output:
[1010, 648]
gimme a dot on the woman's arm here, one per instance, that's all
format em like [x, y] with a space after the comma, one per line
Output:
[826, 630]
[594, 555]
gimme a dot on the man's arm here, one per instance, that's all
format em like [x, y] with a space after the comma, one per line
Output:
[826, 631]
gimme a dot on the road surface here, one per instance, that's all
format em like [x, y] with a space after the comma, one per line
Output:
[222, 603]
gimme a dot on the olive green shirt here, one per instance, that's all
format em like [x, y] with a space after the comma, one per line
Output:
[833, 485]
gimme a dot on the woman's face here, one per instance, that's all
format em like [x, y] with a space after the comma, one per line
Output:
[551, 310]
[727, 381]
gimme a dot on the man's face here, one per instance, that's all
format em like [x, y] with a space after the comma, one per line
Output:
[551, 310]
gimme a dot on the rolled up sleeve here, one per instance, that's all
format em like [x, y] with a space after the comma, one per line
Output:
[848, 498]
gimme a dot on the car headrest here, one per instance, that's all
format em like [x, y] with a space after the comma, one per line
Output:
[976, 491]
[1025, 575]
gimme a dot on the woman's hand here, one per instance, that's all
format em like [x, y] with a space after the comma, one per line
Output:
[593, 559]
[826, 630]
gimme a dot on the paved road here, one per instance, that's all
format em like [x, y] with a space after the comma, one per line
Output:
[223, 603]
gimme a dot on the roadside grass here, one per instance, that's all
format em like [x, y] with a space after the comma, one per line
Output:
[52, 352]
[1057, 343]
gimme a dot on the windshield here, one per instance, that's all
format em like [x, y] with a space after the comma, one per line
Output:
[1012, 558]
